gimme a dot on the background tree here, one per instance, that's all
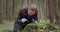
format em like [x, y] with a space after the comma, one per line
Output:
[48, 10]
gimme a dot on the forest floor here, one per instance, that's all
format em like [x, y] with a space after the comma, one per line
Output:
[8, 26]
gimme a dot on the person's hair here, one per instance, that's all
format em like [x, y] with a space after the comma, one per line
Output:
[32, 6]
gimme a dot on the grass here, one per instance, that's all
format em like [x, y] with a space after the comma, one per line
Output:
[6, 26]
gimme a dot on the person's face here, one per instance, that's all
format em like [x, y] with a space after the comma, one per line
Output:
[31, 12]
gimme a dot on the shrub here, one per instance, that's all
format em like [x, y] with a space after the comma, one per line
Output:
[39, 27]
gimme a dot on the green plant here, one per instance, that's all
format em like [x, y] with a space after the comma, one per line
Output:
[39, 27]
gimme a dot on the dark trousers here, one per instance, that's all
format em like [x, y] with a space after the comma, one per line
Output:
[18, 28]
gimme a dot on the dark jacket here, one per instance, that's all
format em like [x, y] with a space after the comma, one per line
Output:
[23, 13]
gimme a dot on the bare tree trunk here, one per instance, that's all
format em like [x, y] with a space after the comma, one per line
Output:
[51, 10]
[0, 11]
[57, 11]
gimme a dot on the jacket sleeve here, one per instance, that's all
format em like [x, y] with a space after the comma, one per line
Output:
[19, 17]
[36, 16]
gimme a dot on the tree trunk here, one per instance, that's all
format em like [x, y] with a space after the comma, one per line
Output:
[51, 10]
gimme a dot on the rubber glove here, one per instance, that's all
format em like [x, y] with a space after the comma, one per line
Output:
[23, 20]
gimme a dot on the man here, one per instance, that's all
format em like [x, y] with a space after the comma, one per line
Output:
[26, 16]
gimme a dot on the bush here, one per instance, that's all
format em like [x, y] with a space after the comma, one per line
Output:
[39, 27]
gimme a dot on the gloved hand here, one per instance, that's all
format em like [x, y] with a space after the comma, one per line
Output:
[23, 20]
[34, 21]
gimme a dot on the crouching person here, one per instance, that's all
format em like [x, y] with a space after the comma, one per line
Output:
[25, 16]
